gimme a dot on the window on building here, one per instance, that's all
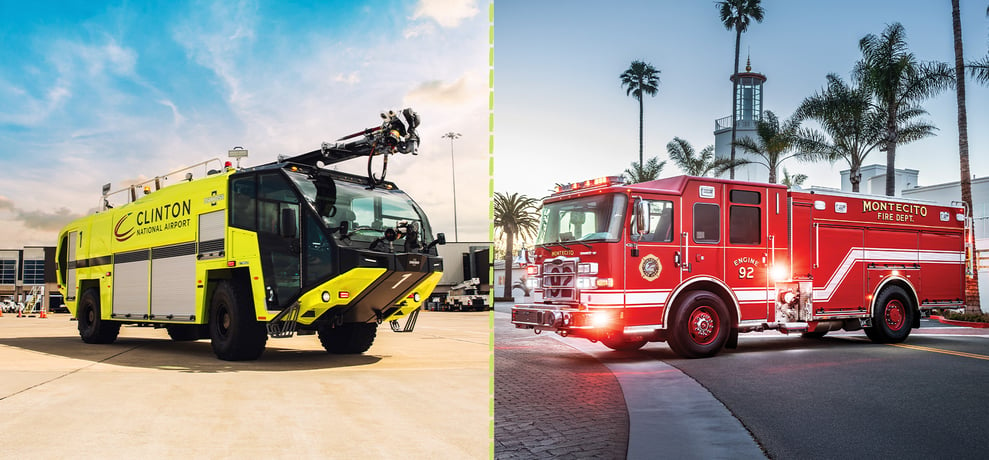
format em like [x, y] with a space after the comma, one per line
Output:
[34, 272]
[8, 271]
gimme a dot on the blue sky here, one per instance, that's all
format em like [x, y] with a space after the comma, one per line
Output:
[561, 114]
[96, 92]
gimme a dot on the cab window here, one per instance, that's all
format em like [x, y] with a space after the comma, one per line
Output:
[707, 223]
[660, 222]
[745, 222]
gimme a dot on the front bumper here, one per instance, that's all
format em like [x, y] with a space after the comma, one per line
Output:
[551, 318]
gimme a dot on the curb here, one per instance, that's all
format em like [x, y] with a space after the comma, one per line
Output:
[952, 322]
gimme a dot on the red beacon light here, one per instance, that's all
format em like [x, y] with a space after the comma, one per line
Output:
[599, 182]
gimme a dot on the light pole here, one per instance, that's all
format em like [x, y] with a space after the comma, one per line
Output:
[453, 171]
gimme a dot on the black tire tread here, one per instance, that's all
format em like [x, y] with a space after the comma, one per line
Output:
[99, 330]
[679, 339]
[246, 337]
[348, 338]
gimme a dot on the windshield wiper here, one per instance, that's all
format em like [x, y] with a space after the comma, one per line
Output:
[556, 243]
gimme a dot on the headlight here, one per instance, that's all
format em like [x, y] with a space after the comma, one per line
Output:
[586, 282]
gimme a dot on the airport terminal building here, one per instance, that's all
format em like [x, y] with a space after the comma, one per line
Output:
[29, 272]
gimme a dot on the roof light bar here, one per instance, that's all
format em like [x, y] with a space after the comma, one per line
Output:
[599, 182]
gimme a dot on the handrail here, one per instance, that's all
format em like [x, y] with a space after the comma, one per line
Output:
[132, 196]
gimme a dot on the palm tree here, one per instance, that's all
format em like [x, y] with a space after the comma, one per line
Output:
[775, 143]
[639, 173]
[640, 78]
[980, 69]
[514, 215]
[694, 164]
[853, 125]
[972, 301]
[737, 15]
[795, 180]
[898, 81]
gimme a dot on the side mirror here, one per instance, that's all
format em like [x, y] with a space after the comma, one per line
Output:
[641, 217]
[289, 224]
[440, 239]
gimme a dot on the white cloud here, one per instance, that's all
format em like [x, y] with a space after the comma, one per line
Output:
[436, 91]
[419, 29]
[447, 13]
[177, 117]
[20, 108]
[280, 95]
[350, 79]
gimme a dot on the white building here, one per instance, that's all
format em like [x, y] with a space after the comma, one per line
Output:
[873, 180]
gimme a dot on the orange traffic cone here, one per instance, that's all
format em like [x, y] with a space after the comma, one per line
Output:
[43, 315]
[1, 312]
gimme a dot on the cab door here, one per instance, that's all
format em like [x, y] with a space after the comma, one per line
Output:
[703, 235]
[651, 270]
[267, 204]
[747, 249]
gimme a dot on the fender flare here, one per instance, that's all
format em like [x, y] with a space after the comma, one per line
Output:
[685, 286]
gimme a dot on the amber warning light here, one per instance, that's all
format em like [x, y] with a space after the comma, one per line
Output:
[606, 181]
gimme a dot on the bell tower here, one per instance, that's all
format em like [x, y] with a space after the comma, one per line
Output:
[747, 114]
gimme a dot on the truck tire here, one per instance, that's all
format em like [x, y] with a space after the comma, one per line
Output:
[618, 342]
[93, 328]
[700, 325]
[348, 338]
[234, 332]
[892, 316]
[186, 332]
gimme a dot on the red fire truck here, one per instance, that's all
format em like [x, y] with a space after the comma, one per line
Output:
[694, 261]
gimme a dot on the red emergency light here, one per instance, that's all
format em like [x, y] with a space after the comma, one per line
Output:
[605, 181]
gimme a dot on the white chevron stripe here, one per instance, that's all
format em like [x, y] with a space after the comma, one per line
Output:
[856, 255]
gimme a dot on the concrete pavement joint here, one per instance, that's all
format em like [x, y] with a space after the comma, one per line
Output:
[69, 373]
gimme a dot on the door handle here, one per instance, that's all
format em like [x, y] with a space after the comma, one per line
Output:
[676, 259]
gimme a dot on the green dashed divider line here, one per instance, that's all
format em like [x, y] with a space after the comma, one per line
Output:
[491, 339]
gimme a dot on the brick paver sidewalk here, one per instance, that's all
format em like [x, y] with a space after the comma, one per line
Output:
[552, 400]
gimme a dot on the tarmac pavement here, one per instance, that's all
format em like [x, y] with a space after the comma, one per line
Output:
[424, 394]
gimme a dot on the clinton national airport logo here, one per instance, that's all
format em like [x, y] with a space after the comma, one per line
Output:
[123, 235]
[167, 217]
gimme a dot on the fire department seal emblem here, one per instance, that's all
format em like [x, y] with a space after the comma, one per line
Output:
[650, 268]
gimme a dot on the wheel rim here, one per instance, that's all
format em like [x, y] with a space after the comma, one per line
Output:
[896, 315]
[223, 325]
[703, 325]
[90, 315]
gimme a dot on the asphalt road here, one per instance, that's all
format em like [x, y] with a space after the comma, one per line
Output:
[836, 397]
[845, 397]
[424, 394]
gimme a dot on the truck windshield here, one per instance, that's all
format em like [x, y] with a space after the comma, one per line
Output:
[368, 213]
[589, 218]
